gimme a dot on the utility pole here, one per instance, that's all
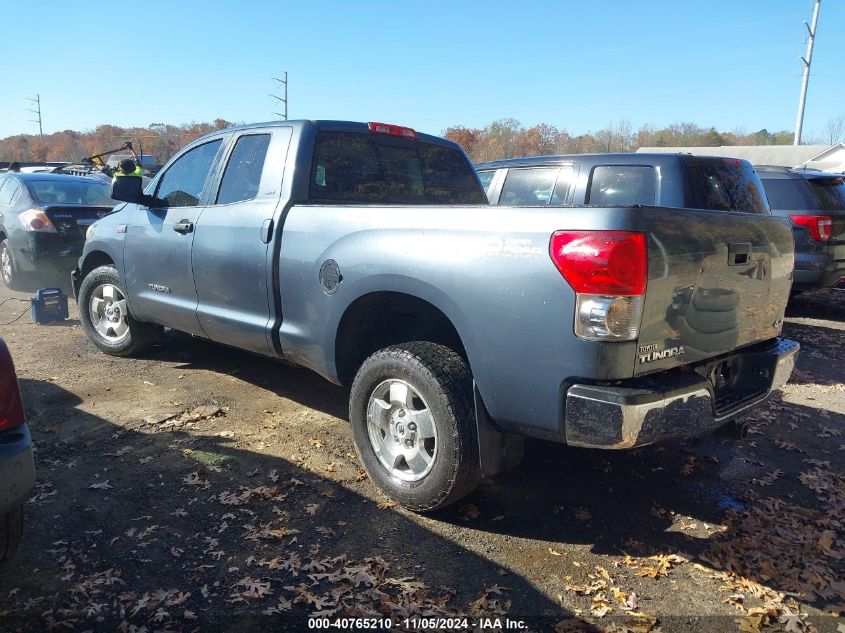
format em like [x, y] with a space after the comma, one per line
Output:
[799, 123]
[284, 100]
[37, 112]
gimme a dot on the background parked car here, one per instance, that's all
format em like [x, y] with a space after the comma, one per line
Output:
[17, 471]
[625, 179]
[43, 219]
[815, 203]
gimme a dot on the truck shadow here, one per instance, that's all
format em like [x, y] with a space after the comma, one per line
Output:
[294, 383]
[668, 498]
[171, 530]
[826, 304]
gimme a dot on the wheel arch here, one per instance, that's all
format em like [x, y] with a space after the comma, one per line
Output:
[95, 259]
[383, 318]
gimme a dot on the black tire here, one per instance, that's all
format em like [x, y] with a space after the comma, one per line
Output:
[711, 343]
[139, 337]
[12, 277]
[715, 299]
[11, 532]
[709, 322]
[443, 380]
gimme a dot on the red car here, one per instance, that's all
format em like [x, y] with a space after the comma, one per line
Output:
[17, 470]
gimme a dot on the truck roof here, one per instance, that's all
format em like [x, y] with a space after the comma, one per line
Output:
[322, 126]
[790, 173]
[625, 158]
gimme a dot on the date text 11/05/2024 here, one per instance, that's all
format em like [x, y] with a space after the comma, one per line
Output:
[417, 624]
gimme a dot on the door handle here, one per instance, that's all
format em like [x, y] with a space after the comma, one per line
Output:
[267, 231]
[183, 226]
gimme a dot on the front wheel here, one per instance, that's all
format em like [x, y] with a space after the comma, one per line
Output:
[105, 316]
[412, 418]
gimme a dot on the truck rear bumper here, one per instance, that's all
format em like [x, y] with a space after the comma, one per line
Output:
[676, 404]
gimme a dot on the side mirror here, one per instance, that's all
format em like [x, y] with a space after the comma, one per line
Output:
[127, 189]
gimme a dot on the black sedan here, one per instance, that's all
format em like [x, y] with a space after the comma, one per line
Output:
[43, 219]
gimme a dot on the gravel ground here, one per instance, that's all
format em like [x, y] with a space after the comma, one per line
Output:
[203, 489]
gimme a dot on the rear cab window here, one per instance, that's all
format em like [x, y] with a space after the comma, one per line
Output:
[723, 184]
[622, 185]
[363, 168]
[243, 170]
[806, 194]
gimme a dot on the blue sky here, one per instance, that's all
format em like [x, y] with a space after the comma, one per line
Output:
[578, 65]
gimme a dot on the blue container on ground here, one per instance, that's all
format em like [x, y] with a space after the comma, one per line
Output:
[49, 305]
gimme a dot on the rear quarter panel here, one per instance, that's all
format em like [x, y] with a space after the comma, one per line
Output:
[486, 268]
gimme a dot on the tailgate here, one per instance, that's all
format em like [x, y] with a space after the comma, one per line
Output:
[72, 221]
[717, 281]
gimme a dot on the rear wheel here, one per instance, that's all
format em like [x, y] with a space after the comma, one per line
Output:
[412, 419]
[105, 317]
[8, 270]
[11, 531]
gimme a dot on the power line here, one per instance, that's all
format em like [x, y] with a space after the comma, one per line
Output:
[799, 123]
[284, 99]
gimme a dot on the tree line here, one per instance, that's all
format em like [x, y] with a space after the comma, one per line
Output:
[508, 138]
[505, 138]
[158, 139]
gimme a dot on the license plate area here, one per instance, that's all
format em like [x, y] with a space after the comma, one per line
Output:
[738, 380]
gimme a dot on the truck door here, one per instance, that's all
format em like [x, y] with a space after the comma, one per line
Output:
[232, 252]
[157, 247]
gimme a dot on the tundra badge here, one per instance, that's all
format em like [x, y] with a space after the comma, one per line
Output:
[650, 353]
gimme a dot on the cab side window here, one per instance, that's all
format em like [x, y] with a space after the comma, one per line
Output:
[621, 185]
[181, 185]
[486, 177]
[243, 171]
[528, 187]
[564, 185]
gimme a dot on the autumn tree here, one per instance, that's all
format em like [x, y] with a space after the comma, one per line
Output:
[833, 129]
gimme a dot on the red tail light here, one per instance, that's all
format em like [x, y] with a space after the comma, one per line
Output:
[819, 225]
[601, 262]
[608, 271]
[392, 130]
[11, 407]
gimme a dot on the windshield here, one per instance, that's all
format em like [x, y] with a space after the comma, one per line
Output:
[370, 169]
[806, 194]
[724, 184]
[70, 192]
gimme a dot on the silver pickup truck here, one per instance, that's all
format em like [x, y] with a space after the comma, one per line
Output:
[368, 253]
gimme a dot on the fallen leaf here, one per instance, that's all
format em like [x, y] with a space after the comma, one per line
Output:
[469, 512]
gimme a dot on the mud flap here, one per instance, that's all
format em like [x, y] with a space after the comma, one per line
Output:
[497, 451]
